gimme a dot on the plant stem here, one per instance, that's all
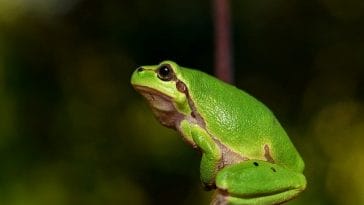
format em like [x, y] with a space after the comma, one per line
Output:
[223, 48]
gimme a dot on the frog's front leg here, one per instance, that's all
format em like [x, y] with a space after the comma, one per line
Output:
[257, 182]
[211, 154]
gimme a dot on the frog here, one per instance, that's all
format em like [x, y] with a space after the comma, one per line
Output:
[246, 155]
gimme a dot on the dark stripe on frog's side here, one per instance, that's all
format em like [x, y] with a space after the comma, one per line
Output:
[267, 155]
[181, 87]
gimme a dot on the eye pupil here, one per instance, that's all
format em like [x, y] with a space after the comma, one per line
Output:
[165, 73]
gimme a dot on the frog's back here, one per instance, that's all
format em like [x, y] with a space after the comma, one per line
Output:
[240, 121]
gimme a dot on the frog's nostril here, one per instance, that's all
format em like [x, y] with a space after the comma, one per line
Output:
[140, 69]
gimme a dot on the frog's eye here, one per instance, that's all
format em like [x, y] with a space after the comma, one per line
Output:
[165, 73]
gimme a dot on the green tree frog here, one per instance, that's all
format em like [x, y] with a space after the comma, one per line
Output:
[246, 154]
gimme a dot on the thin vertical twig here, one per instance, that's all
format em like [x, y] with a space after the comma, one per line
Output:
[222, 40]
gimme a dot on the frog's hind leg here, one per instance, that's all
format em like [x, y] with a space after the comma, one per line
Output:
[257, 182]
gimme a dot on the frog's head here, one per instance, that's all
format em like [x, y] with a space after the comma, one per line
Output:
[163, 88]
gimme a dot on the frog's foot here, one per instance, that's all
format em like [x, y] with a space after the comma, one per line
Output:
[257, 182]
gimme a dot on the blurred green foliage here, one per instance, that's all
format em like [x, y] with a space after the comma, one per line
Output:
[72, 130]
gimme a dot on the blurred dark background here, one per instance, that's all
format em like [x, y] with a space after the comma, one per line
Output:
[73, 131]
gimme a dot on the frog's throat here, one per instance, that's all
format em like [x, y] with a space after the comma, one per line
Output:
[161, 105]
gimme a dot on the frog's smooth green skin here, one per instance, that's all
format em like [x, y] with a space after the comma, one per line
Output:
[246, 154]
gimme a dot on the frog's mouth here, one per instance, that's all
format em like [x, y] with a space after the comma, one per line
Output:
[161, 104]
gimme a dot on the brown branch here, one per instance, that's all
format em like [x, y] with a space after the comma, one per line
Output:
[223, 48]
